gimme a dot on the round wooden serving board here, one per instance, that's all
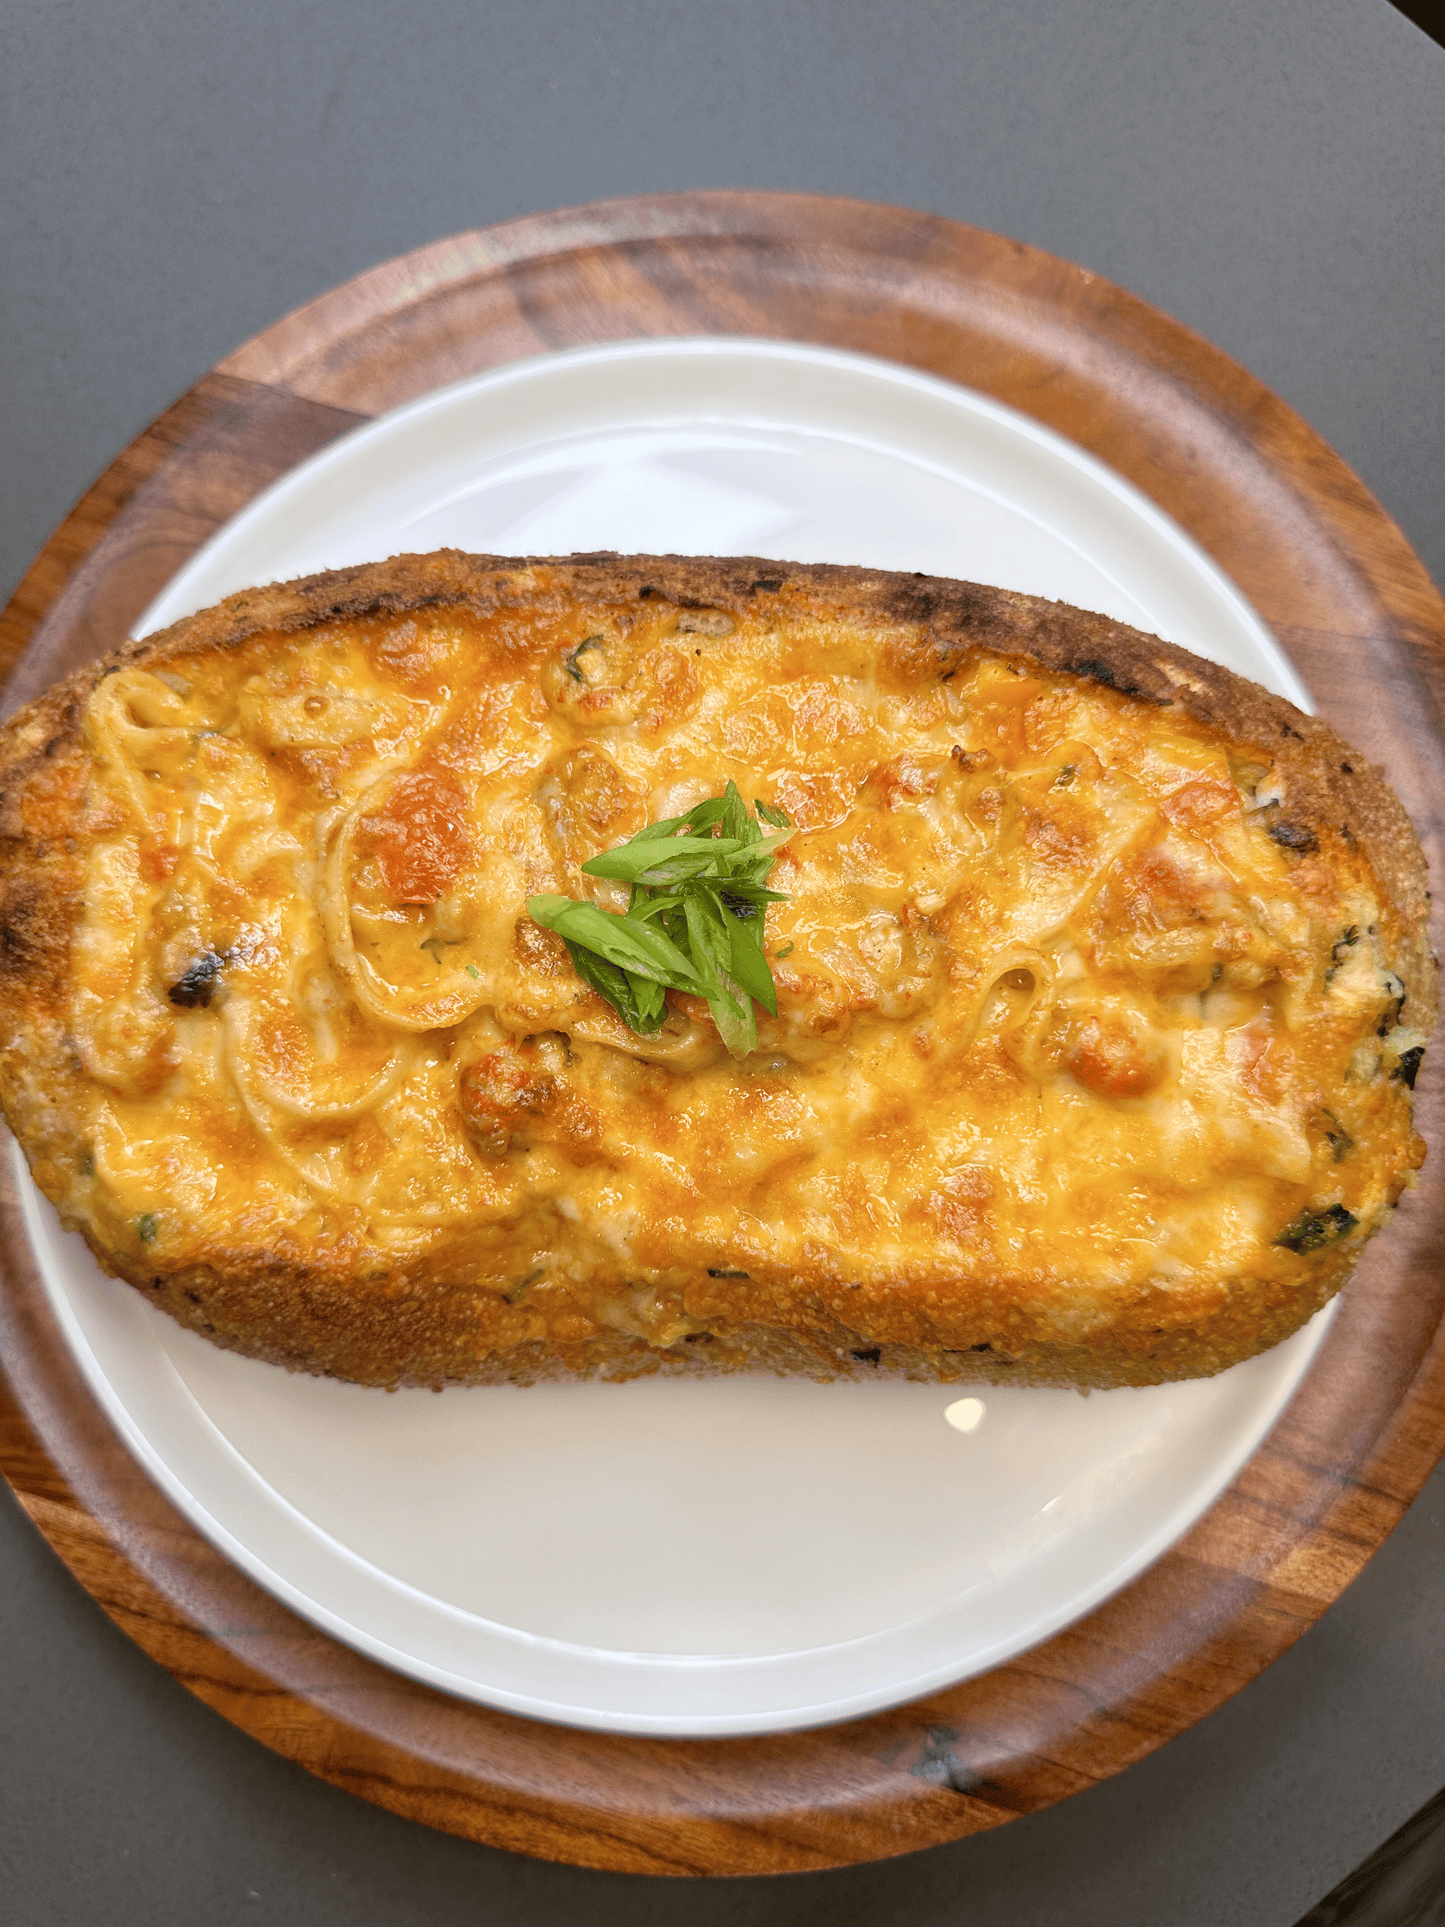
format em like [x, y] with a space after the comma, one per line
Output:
[1341, 589]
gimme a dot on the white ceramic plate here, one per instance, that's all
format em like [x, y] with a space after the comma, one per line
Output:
[727, 1557]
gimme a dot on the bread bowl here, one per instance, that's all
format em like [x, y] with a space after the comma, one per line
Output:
[1102, 981]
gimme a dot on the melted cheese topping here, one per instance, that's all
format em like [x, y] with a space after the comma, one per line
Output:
[1059, 1022]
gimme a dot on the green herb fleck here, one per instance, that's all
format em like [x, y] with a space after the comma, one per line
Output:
[436, 945]
[786, 951]
[572, 665]
[145, 1227]
[694, 919]
[1309, 1232]
[1339, 953]
[1408, 1068]
[472, 970]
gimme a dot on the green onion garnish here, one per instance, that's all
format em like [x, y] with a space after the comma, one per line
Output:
[694, 919]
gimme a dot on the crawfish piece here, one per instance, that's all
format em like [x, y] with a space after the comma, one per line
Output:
[508, 1094]
[1107, 1058]
[420, 838]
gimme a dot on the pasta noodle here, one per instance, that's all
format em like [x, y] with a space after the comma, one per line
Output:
[1101, 982]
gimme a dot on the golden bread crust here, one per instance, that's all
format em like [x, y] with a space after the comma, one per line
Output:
[347, 1305]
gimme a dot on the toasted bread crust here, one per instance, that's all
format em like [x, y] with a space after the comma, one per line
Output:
[282, 1307]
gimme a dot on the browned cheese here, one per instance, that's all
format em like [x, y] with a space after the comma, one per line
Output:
[1100, 992]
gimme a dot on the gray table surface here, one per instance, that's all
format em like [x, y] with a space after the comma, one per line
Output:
[175, 176]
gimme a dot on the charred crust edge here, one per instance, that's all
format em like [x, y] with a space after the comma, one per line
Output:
[1327, 783]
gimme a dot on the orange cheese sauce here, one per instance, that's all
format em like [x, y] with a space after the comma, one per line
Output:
[1058, 1021]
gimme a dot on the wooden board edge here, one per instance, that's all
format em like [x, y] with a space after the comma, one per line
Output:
[1397, 581]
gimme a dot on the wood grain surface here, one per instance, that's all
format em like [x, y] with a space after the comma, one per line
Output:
[1339, 586]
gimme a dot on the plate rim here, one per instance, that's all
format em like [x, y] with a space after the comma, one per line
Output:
[398, 441]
